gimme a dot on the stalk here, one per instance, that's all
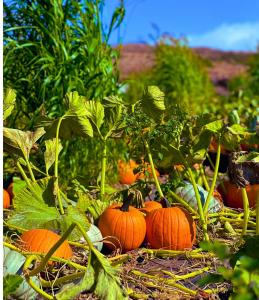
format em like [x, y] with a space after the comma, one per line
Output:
[29, 168]
[24, 176]
[200, 209]
[257, 213]
[56, 167]
[104, 158]
[214, 180]
[153, 169]
[246, 210]
[183, 202]
[204, 179]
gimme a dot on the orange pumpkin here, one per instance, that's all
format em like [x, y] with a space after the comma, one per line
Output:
[123, 229]
[126, 174]
[41, 240]
[214, 145]
[150, 206]
[170, 228]
[233, 195]
[6, 199]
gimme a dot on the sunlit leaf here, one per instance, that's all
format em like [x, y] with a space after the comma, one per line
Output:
[9, 102]
[35, 207]
[96, 111]
[153, 102]
[18, 141]
[49, 154]
[215, 126]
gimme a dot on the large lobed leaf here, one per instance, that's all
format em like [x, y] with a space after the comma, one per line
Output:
[35, 207]
[21, 142]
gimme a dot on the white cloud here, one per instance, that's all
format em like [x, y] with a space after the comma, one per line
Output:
[237, 36]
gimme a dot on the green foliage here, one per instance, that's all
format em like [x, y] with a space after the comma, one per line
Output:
[54, 47]
[243, 272]
[11, 284]
[253, 83]
[180, 74]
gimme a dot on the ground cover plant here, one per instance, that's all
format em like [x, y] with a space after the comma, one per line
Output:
[182, 219]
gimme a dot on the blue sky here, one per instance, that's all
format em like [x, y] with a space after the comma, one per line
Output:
[222, 24]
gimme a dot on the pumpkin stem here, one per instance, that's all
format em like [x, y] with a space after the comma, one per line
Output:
[165, 203]
[127, 199]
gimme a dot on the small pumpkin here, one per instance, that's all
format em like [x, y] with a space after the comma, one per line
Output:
[233, 195]
[6, 199]
[187, 193]
[12, 264]
[150, 206]
[126, 174]
[170, 228]
[41, 240]
[123, 225]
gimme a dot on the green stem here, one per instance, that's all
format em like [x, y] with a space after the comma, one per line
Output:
[29, 168]
[32, 284]
[61, 280]
[56, 167]
[214, 180]
[246, 210]
[24, 176]
[153, 169]
[257, 213]
[204, 179]
[103, 171]
[183, 202]
[200, 209]
[52, 250]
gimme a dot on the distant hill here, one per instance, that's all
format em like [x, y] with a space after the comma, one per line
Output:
[223, 66]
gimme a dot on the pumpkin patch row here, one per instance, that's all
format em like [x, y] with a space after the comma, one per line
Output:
[125, 227]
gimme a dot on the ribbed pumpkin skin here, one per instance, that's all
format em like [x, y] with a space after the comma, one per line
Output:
[233, 196]
[41, 240]
[6, 199]
[150, 206]
[126, 229]
[170, 228]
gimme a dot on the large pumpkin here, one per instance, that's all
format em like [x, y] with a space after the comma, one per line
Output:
[41, 240]
[170, 228]
[122, 228]
[6, 199]
[233, 195]
[126, 174]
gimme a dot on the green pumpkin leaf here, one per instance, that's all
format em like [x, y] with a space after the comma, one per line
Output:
[9, 102]
[11, 284]
[72, 215]
[96, 112]
[21, 142]
[106, 276]
[153, 103]
[49, 154]
[215, 126]
[72, 290]
[35, 207]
